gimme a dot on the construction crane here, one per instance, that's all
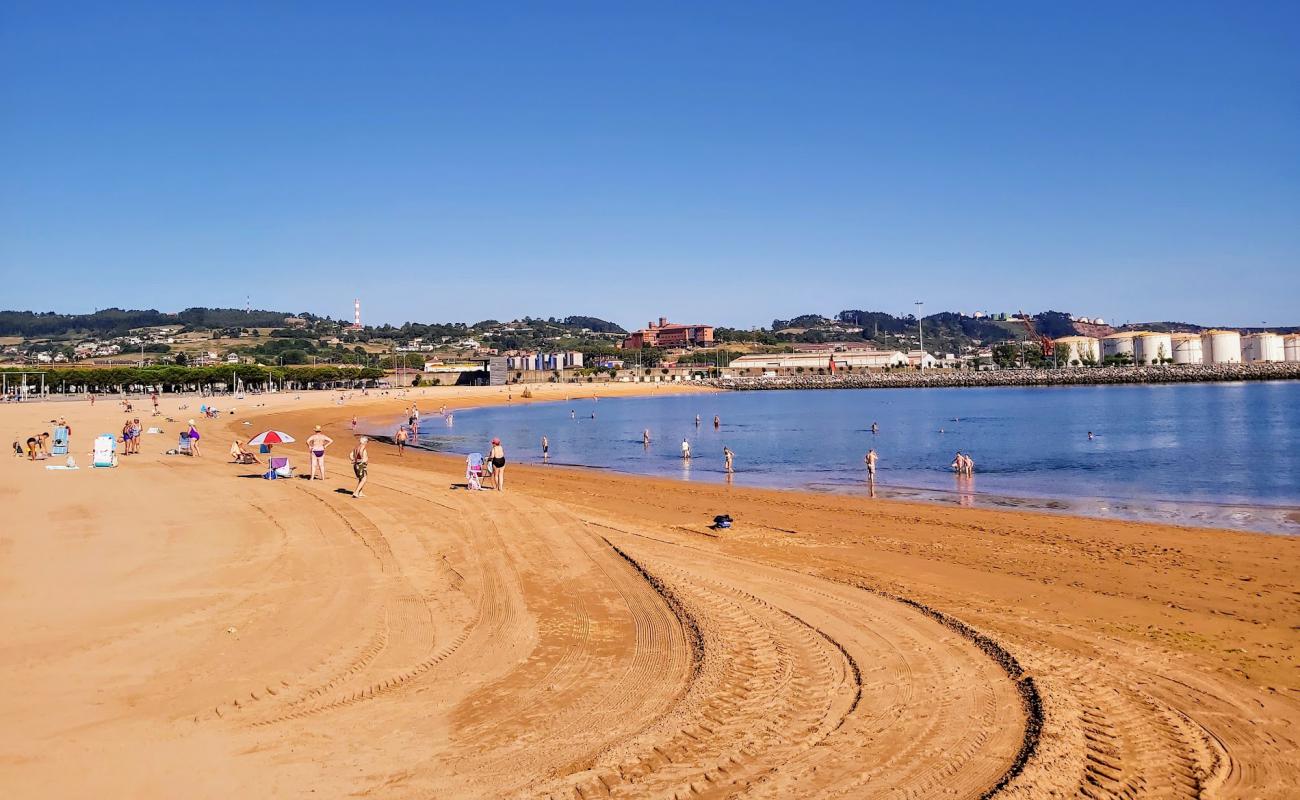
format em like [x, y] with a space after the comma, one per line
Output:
[1044, 342]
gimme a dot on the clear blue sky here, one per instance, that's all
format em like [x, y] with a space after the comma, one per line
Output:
[712, 162]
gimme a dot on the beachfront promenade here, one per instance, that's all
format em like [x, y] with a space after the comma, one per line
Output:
[1073, 376]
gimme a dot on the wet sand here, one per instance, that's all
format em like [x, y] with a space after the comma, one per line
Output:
[177, 627]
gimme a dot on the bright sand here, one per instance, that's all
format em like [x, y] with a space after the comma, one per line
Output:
[173, 628]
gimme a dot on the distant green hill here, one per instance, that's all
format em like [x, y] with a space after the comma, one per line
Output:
[116, 321]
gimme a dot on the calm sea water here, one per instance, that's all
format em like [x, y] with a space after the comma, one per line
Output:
[1209, 454]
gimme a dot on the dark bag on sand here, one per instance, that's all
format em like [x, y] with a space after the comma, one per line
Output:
[722, 521]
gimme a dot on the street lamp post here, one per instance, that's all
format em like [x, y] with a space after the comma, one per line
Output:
[920, 333]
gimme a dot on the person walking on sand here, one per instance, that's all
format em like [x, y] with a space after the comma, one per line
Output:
[871, 464]
[497, 457]
[728, 459]
[154, 397]
[194, 440]
[399, 439]
[354, 424]
[316, 444]
[686, 450]
[360, 466]
[546, 450]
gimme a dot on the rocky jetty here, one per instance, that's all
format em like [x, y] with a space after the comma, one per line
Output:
[1068, 376]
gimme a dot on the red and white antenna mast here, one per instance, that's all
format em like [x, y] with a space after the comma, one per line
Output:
[356, 314]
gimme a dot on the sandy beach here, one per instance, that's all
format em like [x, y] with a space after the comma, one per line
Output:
[178, 627]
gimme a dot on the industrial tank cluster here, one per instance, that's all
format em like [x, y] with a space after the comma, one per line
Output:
[1153, 347]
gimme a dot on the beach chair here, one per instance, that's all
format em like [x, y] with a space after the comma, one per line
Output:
[278, 468]
[183, 446]
[105, 452]
[474, 470]
[60, 441]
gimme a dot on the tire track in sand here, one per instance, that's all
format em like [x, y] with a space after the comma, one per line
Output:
[924, 690]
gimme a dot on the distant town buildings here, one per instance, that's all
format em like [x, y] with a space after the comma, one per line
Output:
[669, 334]
[540, 362]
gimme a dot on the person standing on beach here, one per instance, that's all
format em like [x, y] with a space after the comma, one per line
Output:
[497, 457]
[154, 397]
[194, 440]
[360, 466]
[546, 450]
[354, 424]
[316, 444]
[871, 464]
[686, 450]
[399, 439]
[728, 459]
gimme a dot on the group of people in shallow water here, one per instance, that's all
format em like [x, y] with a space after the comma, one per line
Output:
[962, 464]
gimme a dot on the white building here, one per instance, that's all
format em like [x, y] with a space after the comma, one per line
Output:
[1221, 347]
[846, 361]
[917, 358]
[1077, 350]
[1262, 347]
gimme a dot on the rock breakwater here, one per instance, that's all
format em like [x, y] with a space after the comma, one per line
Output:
[1072, 376]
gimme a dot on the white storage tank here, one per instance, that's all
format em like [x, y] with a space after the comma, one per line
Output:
[1187, 348]
[1076, 350]
[1262, 347]
[1152, 348]
[1221, 347]
[1117, 344]
[1291, 347]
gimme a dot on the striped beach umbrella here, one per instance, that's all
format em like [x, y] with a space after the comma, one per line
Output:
[271, 437]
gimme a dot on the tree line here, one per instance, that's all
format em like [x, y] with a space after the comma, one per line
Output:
[181, 379]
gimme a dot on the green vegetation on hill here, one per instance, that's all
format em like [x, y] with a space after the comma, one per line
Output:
[118, 322]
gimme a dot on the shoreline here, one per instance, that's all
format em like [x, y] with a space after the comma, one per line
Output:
[1232, 514]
